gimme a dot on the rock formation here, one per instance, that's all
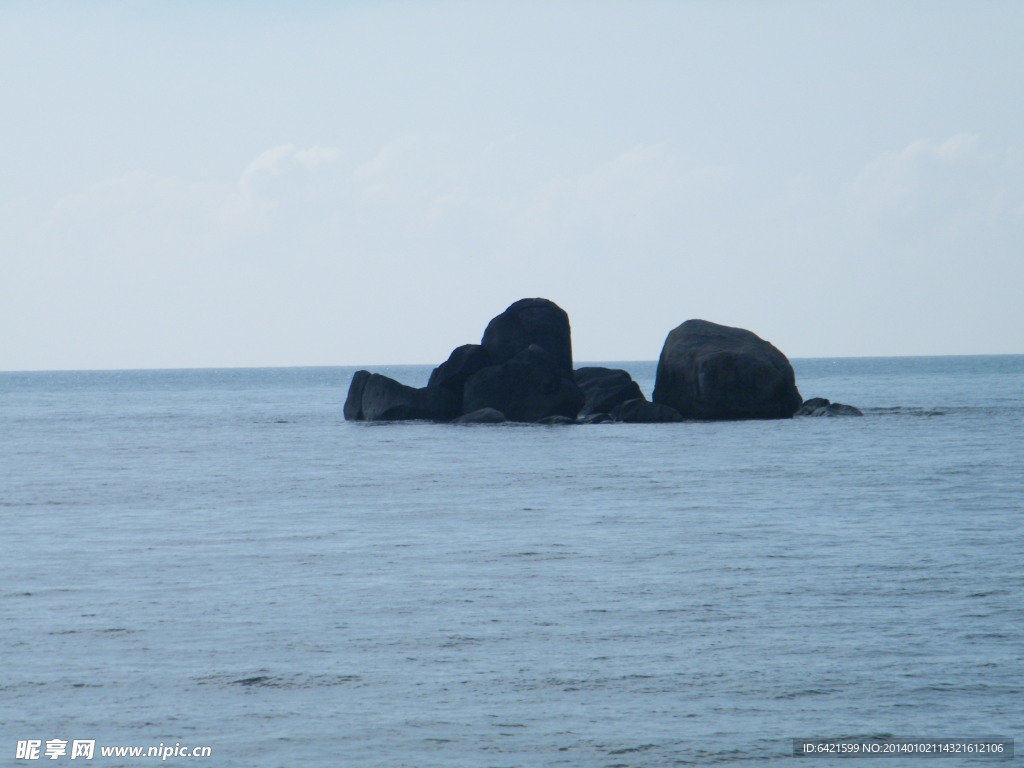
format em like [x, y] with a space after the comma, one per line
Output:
[522, 369]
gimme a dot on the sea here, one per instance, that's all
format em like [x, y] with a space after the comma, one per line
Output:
[216, 559]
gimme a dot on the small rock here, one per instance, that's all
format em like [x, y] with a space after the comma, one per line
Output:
[820, 406]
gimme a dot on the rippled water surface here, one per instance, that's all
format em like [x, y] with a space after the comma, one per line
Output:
[216, 558]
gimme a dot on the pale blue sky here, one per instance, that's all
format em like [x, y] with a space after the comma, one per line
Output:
[370, 182]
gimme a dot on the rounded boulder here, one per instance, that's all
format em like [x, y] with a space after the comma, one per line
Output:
[714, 372]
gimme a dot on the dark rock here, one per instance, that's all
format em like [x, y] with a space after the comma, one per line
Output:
[384, 399]
[527, 387]
[553, 421]
[354, 402]
[588, 373]
[530, 322]
[606, 400]
[463, 362]
[841, 409]
[605, 388]
[810, 406]
[522, 367]
[436, 404]
[482, 416]
[640, 411]
[819, 406]
[714, 372]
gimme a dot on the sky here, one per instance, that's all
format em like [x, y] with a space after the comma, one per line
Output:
[187, 184]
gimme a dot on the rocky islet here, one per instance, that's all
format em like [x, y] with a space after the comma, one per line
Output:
[522, 371]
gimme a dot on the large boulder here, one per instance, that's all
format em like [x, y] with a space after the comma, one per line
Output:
[714, 372]
[528, 322]
[527, 387]
[380, 398]
[605, 388]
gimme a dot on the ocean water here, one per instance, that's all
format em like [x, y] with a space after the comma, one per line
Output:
[216, 558]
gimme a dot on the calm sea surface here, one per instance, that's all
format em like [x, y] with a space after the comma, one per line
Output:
[216, 558]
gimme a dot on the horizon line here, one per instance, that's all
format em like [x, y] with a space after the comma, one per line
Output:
[576, 363]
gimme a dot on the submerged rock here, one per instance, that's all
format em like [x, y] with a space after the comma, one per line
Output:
[820, 406]
[714, 372]
[555, 421]
[482, 416]
[811, 405]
